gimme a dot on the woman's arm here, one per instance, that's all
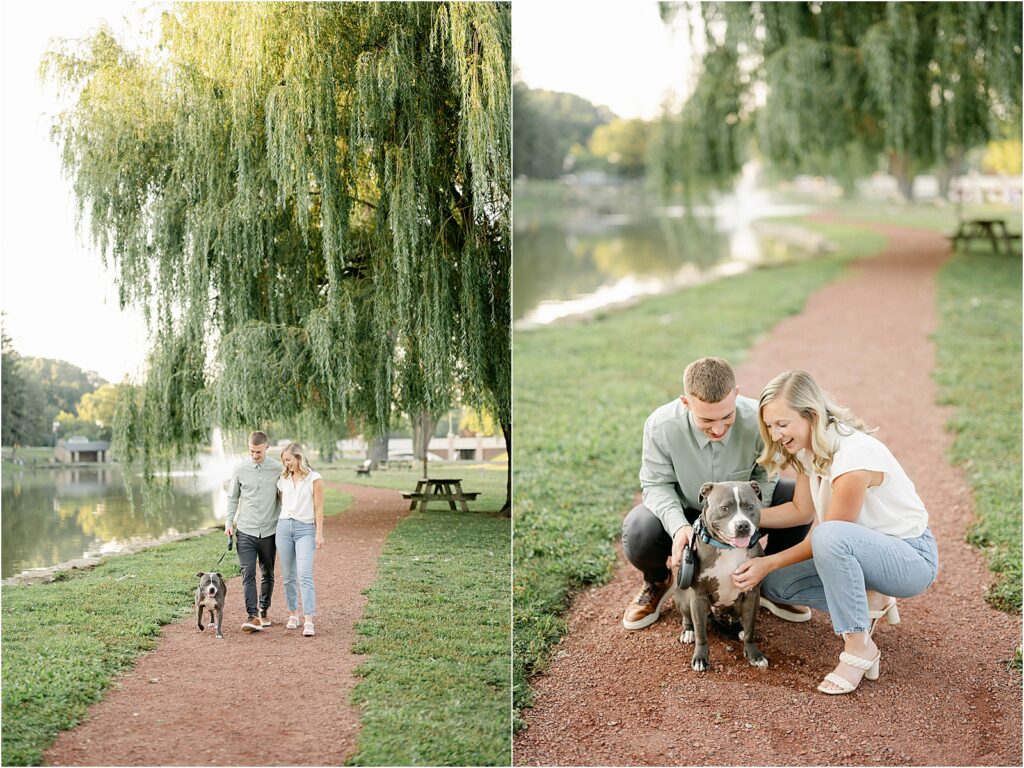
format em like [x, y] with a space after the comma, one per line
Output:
[847, 500]
[318, 510]
[799, 511]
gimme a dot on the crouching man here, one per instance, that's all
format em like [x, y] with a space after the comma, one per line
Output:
[709, 434]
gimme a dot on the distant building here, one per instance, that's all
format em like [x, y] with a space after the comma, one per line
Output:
[80, 450]
[450, 448]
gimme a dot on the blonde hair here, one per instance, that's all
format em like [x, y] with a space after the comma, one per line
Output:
[803, 395]
[296, 450]
[710, 379]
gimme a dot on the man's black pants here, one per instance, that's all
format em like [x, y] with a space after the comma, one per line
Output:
[647, 544]
[250, 550]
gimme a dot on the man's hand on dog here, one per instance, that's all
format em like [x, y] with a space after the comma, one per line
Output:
[751, 573]
[679, 542]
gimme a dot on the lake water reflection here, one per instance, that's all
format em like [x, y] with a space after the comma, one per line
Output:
[51, 516]
[580, 250]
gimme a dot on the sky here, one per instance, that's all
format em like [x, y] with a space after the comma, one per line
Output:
[620, 55]
[58, 299]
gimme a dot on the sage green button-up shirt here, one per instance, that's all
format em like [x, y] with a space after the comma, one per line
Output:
[252, 497]
[678, 459]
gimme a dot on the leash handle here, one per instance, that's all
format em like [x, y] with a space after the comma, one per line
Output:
[231, 540]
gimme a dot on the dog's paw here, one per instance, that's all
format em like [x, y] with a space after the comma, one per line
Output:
[687, 637]
[220, 636]
[743, 635]
[758, 660]
[699, 663]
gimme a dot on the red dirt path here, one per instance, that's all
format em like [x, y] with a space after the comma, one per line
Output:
[273, 698]
[945, 696]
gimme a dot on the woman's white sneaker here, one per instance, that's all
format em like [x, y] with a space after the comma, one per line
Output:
[307, 629]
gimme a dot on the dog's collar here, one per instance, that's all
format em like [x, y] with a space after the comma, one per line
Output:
[700, 529]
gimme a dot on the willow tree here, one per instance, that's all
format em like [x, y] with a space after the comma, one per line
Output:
[917, 83]
[310, 201]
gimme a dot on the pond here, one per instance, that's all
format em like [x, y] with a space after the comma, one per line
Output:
[51, 516]
[576, 251]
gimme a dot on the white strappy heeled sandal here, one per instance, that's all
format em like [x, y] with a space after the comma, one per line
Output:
[891, 613]
[842, 685]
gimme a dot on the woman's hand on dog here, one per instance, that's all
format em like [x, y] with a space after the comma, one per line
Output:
[751, 573]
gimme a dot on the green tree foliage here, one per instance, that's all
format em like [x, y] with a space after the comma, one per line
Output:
[918, 84]
[310, 200]
[547, 126]
[618, 147]
[37, 389]
[14, 392]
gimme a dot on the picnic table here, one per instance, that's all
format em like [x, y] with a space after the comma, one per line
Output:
[992, 229]
[439, 489]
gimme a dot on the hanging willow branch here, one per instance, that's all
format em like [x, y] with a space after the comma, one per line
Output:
[311, 203]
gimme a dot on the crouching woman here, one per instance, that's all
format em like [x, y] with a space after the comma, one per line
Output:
[869, 542]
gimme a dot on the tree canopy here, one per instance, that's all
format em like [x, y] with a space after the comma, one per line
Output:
[548, 124]
[310, 201]
[918, 84]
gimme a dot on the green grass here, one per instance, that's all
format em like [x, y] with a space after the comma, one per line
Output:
[581, 395]
[435, 689]
[64, 641]
[979, 372]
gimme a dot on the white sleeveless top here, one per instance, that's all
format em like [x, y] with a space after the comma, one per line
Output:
[893, 508]
[297, 500]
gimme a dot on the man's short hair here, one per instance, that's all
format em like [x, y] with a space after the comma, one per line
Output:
[709, 379]
[258, 438]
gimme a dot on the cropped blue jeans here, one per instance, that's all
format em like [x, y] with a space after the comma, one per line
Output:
[848, 560]
[296, 543]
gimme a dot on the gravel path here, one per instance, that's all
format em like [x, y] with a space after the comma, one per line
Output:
[273, 698]
[945, 697]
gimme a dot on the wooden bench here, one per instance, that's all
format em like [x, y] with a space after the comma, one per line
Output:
[993, 230]
[364, 468]
[439, 489]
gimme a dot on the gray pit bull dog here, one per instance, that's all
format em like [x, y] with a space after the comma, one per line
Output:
[210, 595]
[725, 535]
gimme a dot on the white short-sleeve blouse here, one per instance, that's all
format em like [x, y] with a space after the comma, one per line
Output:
[893, 508]
[297, 499]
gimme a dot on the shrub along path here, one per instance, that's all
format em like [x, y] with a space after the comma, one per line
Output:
[272, 698]
[945, 696]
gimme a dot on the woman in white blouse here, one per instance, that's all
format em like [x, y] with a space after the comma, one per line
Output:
[300, 532]
[869, 542]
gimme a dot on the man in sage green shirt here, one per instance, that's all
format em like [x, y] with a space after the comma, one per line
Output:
[253, 509]
[709, 434]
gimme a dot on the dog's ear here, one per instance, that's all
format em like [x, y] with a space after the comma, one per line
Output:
[757, 489]
[704, 491]
[199, 574]
[222, 578]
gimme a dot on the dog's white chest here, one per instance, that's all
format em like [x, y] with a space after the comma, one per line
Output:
[728, 561]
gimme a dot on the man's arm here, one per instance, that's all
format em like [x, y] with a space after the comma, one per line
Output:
[234, 491]
[658, 481]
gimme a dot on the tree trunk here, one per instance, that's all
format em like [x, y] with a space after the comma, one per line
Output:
[950, 170]
[901, 166]
[506, 430]
[422, 430]
[377, 451]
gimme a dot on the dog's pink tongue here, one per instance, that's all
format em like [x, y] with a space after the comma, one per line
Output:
[741, 542]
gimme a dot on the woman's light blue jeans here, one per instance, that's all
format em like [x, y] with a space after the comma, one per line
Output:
[296, 543]
[848, 560]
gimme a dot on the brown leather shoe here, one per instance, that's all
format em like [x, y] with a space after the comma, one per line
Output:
[646, 608]
[252, 624]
